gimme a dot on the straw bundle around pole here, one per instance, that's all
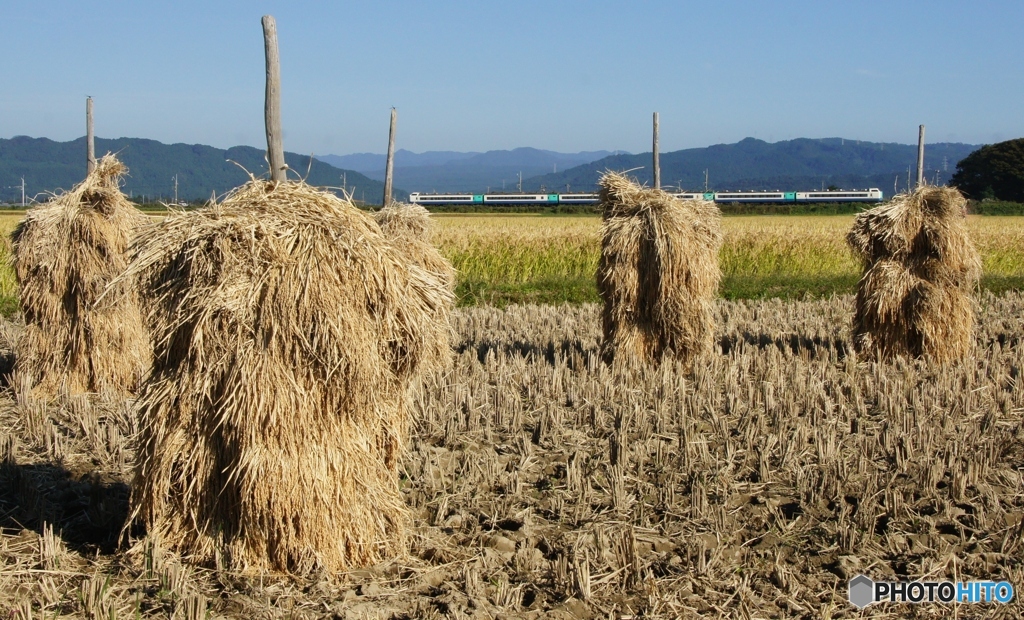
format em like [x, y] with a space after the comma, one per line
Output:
[287, 330]
[658, 273]
[79, 336]
[920, 269]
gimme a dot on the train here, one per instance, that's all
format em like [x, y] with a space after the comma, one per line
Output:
[579, 198]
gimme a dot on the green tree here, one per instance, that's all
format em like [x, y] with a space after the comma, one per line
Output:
[993, 171]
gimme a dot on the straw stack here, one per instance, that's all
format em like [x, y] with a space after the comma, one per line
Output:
[658, 273]
[287, 330]
[920, 270]
[79, 336]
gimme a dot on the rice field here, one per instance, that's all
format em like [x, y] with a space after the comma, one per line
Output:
[543, 483]
[8, 283]
[549, 259]
[528, 258]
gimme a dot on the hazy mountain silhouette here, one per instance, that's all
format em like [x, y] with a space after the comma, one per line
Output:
[799, 164]
[449, 171]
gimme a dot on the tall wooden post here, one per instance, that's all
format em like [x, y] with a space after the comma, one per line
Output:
[657, 163]
[920, 155]
[389, 170]
[90, 141]
[272, 106]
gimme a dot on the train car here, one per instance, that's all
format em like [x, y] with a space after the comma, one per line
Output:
[708, 196]
[578, 199]
[521, 199]
[728, 197]
[417, 198]
[868, 195]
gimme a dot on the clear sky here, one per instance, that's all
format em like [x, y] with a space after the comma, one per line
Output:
[481, 75]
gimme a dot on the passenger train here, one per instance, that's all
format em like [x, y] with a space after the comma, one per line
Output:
[869, 195]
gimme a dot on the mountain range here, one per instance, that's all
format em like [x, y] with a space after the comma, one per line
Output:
[793, 165]
[49, 166]
[451, 171]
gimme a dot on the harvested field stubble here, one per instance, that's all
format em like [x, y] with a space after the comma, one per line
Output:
[545, 484]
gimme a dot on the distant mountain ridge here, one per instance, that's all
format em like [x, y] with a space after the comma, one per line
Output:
[452, 171]
[794, 165]
[799, 164]
[49, 166]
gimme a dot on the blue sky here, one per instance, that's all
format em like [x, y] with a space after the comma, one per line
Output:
[481, 75]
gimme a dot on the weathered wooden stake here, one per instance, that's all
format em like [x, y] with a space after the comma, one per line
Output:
[389, 170]
[657, 163]
[90, 142]
[920, 155]
[272, 107]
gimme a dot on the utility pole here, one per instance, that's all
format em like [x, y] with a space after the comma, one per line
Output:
[389, 169]
[705, 180]
[920, 155]
[175, 190]
[657, 164]
[90, 146]
[22, 191]
[272, 102]
[520, 182]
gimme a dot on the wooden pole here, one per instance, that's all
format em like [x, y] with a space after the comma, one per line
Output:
[90, 142]
[272, 106]
[657, 164]
[389, 170]
[920, 155]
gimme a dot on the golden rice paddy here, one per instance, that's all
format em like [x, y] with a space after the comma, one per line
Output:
[549, 259]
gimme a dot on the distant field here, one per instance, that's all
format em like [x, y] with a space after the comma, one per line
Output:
[8, 283]
[551, 259]
[506, 259]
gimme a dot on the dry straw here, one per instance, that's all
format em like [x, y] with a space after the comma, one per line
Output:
[409, 228]
[287, 329]
[920, 269]
[79, 336]
[658, 273]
